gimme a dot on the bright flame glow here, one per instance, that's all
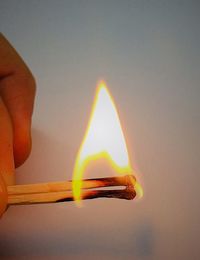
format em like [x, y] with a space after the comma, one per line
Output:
[103, 139]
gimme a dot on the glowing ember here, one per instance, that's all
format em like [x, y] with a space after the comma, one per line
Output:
[103, 139]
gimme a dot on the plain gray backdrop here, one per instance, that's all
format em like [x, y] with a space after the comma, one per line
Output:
[148, 52]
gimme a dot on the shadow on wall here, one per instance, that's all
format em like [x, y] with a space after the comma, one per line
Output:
[144, 240]
[84, 245]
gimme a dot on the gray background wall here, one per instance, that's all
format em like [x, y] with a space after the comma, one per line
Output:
[148, 52]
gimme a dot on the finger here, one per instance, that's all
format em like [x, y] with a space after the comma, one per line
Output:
[18, 93]
[6, 146]
[17, 88]
[6, 155]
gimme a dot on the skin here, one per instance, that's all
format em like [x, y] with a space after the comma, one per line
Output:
[17, 93]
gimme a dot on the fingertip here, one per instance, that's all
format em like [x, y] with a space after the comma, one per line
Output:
[22, 145]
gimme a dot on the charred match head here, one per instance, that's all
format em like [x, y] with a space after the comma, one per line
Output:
[128, 193]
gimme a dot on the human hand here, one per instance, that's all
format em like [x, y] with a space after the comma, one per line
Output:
[17, 92]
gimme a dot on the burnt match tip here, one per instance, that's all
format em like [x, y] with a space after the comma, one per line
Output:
[128, 193]
[130, 180]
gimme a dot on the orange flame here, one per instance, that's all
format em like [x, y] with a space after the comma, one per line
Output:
[103, 138]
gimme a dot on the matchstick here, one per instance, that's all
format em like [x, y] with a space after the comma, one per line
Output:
[55, 197]
[127, 180]
[62, 191]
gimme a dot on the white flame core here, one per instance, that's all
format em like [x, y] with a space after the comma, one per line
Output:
[105, 133]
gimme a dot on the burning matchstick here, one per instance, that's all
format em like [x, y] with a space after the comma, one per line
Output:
[103, 138]
[62, 191]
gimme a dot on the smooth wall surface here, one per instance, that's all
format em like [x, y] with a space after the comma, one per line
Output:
[148, 52]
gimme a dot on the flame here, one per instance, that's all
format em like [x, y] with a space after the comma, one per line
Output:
[103, 138]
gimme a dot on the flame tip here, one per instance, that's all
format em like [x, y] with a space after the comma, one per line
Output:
[101, 85]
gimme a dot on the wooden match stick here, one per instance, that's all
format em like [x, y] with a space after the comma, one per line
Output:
[62, 191]
[126, 180]
[54, 197]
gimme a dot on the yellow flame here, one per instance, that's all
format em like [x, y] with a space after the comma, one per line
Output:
[138, 189]
[103, 138]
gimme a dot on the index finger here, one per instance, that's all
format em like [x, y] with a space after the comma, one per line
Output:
[17, 88]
